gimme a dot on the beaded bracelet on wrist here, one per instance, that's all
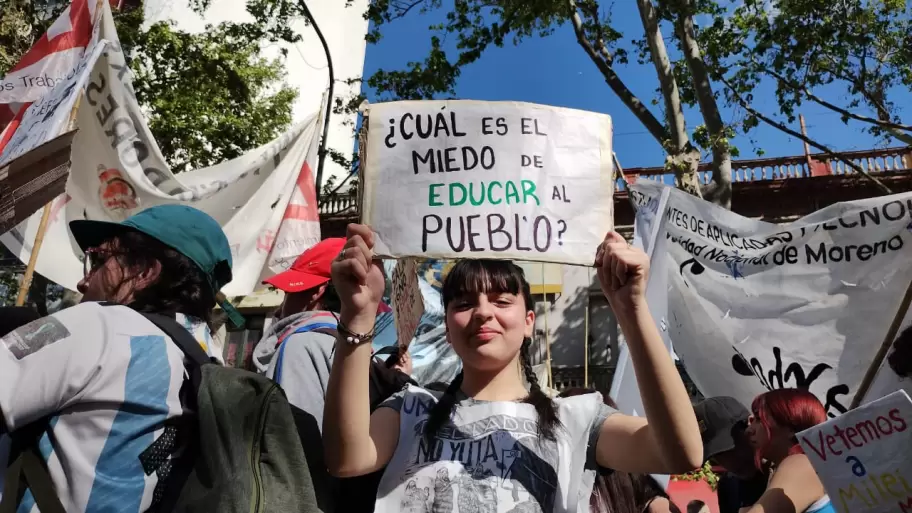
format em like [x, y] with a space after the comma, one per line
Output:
[353, 338]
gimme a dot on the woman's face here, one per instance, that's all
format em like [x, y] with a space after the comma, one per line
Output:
[775, 439]
[756, 434]
[487, 330]
[105, 278]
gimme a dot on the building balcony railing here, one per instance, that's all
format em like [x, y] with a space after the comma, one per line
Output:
[783, 168]
[339, 205]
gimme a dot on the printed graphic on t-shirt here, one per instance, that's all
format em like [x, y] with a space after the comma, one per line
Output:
[496, 463]
[35, 335]
[488, 457]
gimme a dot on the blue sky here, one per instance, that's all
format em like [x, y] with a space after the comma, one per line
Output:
[555, 71]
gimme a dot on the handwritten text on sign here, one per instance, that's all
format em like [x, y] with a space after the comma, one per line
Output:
[408, 303]
[862, 457]
[488, 179]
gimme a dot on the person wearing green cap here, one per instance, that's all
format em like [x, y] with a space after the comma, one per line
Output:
[102, 380]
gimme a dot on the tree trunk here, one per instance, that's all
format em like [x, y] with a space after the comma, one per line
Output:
[603, 60]
[719, 191]
[683, 158]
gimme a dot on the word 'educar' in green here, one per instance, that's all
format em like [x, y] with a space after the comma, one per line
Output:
[477, 194]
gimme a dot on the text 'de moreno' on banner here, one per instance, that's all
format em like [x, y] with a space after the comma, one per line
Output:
[462, 179]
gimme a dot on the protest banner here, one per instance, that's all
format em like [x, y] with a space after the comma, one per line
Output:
[54, 56]
[264, 200]
[408, 304]
[862, 457]
[49, 117]
[452, 179]
[753, 306]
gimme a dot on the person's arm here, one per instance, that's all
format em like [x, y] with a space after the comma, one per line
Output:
[356, 442]
[47, 365]
[792, 489]
[667, 440]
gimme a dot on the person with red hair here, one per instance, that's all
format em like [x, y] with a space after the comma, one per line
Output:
[776, 417]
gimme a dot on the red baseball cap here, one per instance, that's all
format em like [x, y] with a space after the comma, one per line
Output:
[311, 269]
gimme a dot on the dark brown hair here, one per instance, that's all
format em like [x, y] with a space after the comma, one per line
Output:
[474, 277]
[900, 359]
[181, 286]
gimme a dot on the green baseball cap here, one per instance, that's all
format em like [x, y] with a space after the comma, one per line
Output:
[189, 231]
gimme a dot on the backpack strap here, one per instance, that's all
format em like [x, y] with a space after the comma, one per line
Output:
[168, 490]
[27, 468]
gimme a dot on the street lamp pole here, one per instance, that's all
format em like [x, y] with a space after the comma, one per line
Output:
[329, 98]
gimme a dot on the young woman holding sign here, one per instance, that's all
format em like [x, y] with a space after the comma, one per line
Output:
[494, 441]
[775, 419]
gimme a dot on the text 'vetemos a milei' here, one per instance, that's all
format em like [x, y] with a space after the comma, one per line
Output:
[462, 179]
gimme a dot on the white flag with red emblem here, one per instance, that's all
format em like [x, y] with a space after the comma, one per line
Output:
[300, 228]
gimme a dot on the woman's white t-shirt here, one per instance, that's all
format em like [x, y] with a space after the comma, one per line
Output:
[489, 458]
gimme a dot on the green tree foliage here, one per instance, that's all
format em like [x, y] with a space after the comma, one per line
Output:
[210, 97]
[851, 57]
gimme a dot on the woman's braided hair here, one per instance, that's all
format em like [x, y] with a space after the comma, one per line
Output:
[473, 277]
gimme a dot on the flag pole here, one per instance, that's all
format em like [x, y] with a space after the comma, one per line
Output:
[547, 329]
[42, 226]
[586, 331]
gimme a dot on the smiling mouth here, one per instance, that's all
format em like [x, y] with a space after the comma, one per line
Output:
[485, 335]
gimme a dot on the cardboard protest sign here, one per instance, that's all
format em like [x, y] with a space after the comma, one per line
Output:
[32, 180]
[454, 179]
[862, 457]
[752, 306]
[408, 303]
[433, 358]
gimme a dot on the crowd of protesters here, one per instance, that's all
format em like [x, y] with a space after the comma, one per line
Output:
[106, 407]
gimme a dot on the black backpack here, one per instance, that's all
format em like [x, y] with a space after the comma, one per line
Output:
[242, 452]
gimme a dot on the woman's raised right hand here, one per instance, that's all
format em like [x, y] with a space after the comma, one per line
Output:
[358, 278]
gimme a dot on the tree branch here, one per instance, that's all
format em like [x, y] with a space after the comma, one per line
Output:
[403, 9]
[674, 113]
[637, 107]
[862, 88]
[829, 152]
[325, 197]
[721, 188]
[835, 108]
